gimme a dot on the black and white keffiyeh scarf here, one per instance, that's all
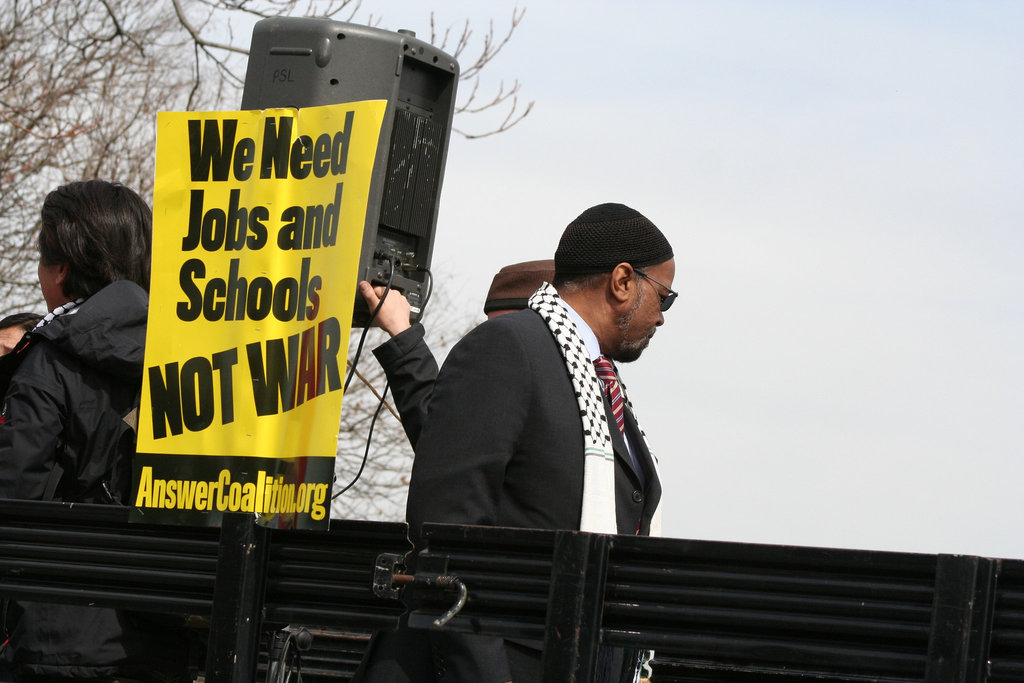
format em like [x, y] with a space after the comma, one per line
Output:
[63, 309]
[598, 514]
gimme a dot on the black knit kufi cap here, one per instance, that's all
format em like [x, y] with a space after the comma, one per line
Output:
[606, 235]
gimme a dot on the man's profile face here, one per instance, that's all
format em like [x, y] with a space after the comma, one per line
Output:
[637, 325]
[50, 282]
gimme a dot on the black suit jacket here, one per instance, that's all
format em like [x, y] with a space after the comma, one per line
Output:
[411, 370]
[503, 442]
[503, 445]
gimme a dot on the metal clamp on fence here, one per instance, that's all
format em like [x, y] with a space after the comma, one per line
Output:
[390, 581]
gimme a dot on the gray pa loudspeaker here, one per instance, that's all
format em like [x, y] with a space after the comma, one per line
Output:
[298, 62]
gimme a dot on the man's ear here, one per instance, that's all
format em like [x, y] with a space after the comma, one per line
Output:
[622, 284]
[61, 275]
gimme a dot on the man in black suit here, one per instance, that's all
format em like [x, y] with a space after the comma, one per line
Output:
[519, 402]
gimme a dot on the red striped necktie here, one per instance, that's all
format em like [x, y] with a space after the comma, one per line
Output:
[606, 373]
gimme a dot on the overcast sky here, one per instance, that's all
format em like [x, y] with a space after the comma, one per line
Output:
[841, 183]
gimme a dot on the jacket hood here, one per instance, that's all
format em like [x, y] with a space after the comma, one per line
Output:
[107, 331]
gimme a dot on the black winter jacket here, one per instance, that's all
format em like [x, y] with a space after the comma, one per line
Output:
[75, 380]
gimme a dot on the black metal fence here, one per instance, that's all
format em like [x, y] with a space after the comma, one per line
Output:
[712, 611]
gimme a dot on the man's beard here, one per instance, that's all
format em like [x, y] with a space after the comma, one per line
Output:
[629, 350]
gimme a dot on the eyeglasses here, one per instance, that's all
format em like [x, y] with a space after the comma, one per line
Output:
[666, 299]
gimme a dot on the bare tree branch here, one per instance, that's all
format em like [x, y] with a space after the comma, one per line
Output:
[81, 83]
[197, 38]
[471, 72]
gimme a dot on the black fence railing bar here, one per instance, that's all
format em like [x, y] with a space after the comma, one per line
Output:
[712, 611]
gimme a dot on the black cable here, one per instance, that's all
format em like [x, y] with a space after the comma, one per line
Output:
[285, 656]
[369, 438]
[366, 328]
[430, 290]
[359, 349]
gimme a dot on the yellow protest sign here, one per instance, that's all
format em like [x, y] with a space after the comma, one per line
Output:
[257, 228]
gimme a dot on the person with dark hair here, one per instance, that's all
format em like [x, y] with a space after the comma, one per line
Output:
[14, 327]
[66, 430]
